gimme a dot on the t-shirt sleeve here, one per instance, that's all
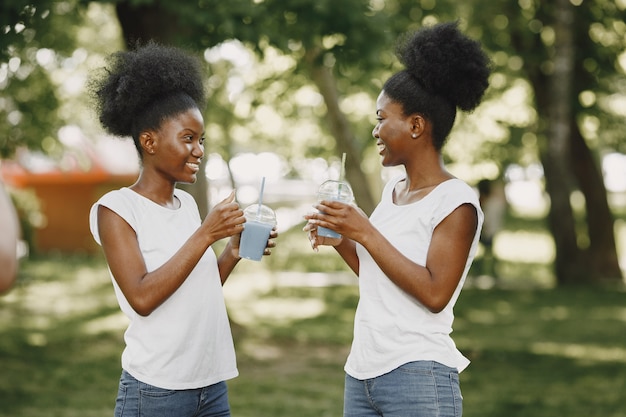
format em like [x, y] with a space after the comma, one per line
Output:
[456, 194]
[117, 202]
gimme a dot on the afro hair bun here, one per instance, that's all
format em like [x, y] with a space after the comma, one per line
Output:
[447, 63]
[135, 79]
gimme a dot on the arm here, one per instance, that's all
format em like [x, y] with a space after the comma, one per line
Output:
[8, 241]
[144, 290]
[345, 247]
[433, 284]
[347, 250]
[229, 258]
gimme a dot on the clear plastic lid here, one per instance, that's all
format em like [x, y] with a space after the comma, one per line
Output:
[335, 190]
[264, 215]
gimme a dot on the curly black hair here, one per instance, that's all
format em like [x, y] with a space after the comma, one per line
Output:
[143, 87]
[444, 69]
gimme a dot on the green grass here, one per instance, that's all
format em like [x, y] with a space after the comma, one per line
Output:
[537, 352]
[543, 353]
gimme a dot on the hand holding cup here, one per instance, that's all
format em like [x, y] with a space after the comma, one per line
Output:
[260, 221]
[333, 190]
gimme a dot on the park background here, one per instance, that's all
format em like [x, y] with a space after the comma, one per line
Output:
[293, 86]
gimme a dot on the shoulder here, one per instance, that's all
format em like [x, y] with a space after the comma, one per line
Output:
[391, 184]
[456, 189]
[188, 204]
[113, 197]
[185, 198]
[119, 200]
[394, 180]
[124, 202]
[452, 194]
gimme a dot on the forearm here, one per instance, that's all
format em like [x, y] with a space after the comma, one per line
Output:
[148, 290]
[347, 250]
[432, 284]
[227, 261]
[411, 277]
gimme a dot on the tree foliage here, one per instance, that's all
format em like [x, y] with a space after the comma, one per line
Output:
[343, 50]
[35, 38]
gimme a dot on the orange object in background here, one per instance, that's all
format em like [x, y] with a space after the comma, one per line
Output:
[65, 195]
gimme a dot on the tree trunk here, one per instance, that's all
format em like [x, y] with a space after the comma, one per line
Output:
[601, 256]
[556, 159]
[144, 22]
[569, 164]
[342, 132]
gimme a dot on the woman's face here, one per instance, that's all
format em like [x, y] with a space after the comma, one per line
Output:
[179, 146]
[392, 131]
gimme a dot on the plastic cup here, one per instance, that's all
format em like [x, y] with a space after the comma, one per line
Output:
[256, 231]
[336, 191]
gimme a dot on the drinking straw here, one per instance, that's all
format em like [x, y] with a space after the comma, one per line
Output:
[258, 211]
[342, 174]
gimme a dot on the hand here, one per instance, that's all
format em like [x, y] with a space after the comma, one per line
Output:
[235, 242]
[270, 242]
[345, 219]
[226, 219]
[316, 241]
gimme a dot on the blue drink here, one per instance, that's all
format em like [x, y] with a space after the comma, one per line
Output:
[333, 191]
[322, 231]
[256, 232]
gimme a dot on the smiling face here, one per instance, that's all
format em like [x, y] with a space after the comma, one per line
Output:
[392, 131]
[177, 147]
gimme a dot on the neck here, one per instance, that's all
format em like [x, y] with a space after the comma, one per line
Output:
[161, 192]
[426, 172]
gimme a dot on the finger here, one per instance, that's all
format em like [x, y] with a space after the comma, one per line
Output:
[325, 211]
[232, 226]
[232, 214]
[321, 207]
[236, 239]
[313, 238]
[314, 244]
[331, 204]
[311, 215]
[230, 198]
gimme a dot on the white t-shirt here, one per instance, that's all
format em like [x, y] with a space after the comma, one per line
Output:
[391, 328]
[186, 342]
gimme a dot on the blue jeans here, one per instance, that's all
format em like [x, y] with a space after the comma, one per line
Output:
[415, 389]
[136, 399]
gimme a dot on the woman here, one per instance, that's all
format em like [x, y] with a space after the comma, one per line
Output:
[10, 227]
[413, 254]
[167, 279]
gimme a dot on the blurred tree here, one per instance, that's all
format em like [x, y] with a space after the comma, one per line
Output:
[346, 47]
[568, 51]
[326, 37]
[31, 42]
[18, 20]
